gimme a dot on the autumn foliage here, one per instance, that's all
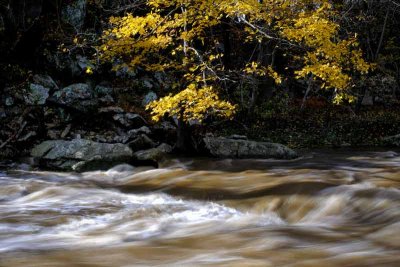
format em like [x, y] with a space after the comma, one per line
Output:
[183, 38]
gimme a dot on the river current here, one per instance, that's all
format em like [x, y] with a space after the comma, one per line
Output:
[328, 208]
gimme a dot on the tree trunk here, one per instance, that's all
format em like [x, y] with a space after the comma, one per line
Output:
[183, 136]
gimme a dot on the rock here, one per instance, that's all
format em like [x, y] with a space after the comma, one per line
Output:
[45, 81]
[124, 137]
[111, 110]
[106, 100]
[146, 82]
[237, 148]
[81, 154]
[53, 134]
[36, 95]
[104, 94]
[74, 13]
[393, 141]
[149, 97]
[130, 120]
[66, 131]
[27, 136]
[73, 65]
[9, 101]
[76, 96]
[141, 130]
[121, 138]
[78, 91]
[153, 155]
[102, 90]
[165, 126]
[142, 142]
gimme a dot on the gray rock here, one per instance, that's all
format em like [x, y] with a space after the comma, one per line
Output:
[102, 90]
[74, 13]
[141, 130]
[45, 81]
[122, 138]
[78, 91]
[111, 110]
[149, 97]
[393, 141]
[107, 100]
[81, 154]
[53, 134]
[165, 127]
[77, 96]
[153, 154]
[130, 120]
[142, 142]
[27, 136]
[237, 148]
[147, 83]
[104, 94]
[36, 95]
[9, 101]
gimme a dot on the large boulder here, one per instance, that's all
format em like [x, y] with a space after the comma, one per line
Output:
[152, 156]
[80, 154]
[79, 96]
[45, 81]
[240, 148]
[36, 94]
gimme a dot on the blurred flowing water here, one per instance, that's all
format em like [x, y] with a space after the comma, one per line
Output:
[329, 208]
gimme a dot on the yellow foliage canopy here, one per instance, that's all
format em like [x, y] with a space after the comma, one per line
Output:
[164, 40]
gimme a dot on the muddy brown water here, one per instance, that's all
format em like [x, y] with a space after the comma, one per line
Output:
[329, 208]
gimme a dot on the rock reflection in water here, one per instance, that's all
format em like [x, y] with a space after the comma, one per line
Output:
[326, 209]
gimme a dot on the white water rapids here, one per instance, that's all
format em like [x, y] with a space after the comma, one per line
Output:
[327, 209]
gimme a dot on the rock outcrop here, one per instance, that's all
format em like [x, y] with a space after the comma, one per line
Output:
[80, 154]
[152, 156]
[240, 148]
[77, 96]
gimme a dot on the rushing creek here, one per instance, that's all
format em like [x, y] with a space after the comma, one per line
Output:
[328, 208]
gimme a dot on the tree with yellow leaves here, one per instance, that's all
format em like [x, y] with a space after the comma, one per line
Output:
[183, 37]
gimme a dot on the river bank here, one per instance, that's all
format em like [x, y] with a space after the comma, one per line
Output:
[44, 110]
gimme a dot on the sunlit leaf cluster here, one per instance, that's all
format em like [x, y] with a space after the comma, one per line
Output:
[191, 103]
